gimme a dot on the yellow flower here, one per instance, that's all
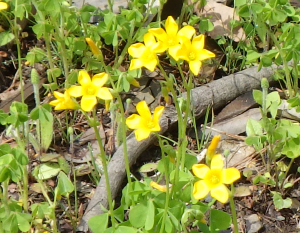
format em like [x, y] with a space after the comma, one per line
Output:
[3, 6]
[213, 179]
[144, 123]
[63, 101]
[145, 54]
[94, 48]
[159, 187]
[171, 36]
[90, 89]
[194, 52]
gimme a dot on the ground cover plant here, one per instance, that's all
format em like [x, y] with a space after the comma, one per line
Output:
[85, 80]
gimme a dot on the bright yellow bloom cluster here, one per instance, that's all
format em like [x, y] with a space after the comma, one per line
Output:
[144, 123]
[89, 90]
[177, 42]
[3, 6]
[213, 179]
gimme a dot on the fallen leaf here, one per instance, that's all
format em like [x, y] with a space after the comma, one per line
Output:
[221, 15]
[242, 191]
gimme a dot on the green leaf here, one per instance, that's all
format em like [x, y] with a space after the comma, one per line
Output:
[98, 224]
[279, 202]
[252, 56]
[291, 148]
[253, 127]
[10, 224]
[205, 25]
[47, 170]
[190, 160]
[257, 96]
[4, 149]
[266, 61]
[41, 28]
[6, 37]
[65, 186]
[219, 220]
[23, 223]
[150, 215]
[138, 215]
[44, 115]
[124, 229]
[35, 55]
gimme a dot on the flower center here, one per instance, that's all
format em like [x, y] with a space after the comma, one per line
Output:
[214, 179]
[171, 42]
[192, 56]
[90, 91]
[150, 124]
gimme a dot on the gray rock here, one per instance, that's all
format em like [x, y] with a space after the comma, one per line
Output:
[253, 223]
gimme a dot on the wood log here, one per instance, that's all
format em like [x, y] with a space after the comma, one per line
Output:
[216, 94]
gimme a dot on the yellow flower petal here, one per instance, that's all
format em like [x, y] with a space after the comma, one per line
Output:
[143, 109]
[142, 133]
[104, 93]
[200, 190]
[100, 79]
[88, 103]
[174, 50]
[195, 66]
[149, 39]
[220, 193]
[187, 31]
[136, 50]
[205, 54]
[211, 150]
[58, 95]
[157, 186]
[198, 42]
[84, 78]
[217, 162]
[133, 121]
[200, 170]
[159, 33]
[135, 64]
[135, 83]
[3, 5]
[156, 116]
[159, 47]
[171, 26]
[150, 65]
[94, 48]
[75, 91]
[230, 175]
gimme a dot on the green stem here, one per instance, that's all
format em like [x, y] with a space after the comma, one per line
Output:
[123, 133]
[92, 123]
[285, 66]
[167, 174]
[51, 205]
[16, 33]
[47, 43]
[286, 172]
[233, 212]
[5, 195]
[180, 126]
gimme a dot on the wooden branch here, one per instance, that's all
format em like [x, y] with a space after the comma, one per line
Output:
[217, 93]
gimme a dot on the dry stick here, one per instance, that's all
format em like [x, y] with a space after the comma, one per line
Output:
[217, 93]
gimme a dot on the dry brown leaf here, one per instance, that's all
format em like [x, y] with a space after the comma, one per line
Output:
[221, 16]
[242, 191]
